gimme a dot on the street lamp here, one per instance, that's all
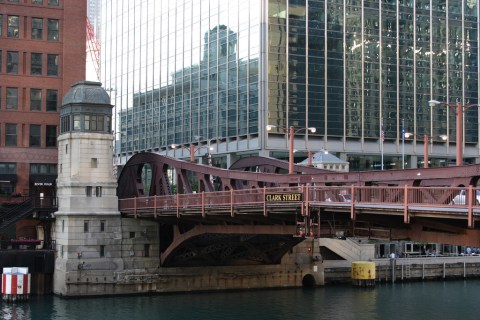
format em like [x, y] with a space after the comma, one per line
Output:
[425, 147]
[291, 135]
[191, 149]
[459, 109]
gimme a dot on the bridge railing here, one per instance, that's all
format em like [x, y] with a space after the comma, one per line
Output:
[467, 198]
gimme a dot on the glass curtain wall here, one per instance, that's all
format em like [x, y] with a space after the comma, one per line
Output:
[181, 71]
[352, 68]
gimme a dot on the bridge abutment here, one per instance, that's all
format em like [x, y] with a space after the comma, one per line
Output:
[292, 272]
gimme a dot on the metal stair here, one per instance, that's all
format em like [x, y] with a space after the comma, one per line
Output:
[16, 213]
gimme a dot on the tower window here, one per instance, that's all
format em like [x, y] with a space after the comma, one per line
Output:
[98, 191]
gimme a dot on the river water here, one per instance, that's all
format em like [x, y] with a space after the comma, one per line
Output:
[454, 299]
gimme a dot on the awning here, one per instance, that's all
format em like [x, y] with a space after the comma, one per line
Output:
[8, 177]
[48, 180]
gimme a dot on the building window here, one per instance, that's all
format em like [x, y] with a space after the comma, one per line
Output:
[146, 249]
[88, 191]
[66, 148]
[102, 251]
[12, 62]
[43, 168]
[0, 50]
[98, 191]
[37, 28]
[94, 122]
[37, 1]
[76, 122]
[53, 2]
[35, 135]
[51, 136]
[132, 234]
[1, 26]
[65, 124]
[36, 64]
[90, 123]
[12, 98]
[52, 100]
[93, 163]
[85, 226]
[52, 64]
[63, 225]
[10, 135]
[53, 29]
[102, 225]
[8, 168]
[35, 99]
[13, 23]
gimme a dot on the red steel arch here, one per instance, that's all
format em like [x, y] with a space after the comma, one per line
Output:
[259, 172]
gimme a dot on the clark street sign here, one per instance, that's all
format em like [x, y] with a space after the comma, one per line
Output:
[283, 197]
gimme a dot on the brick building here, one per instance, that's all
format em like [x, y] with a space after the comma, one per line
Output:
[42, 53]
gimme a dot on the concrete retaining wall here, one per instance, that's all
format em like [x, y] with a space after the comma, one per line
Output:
[409, 269]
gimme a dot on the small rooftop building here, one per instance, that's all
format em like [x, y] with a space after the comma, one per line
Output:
[325, 160]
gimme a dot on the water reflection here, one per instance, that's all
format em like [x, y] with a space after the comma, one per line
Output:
[416, 300]
[15, 311]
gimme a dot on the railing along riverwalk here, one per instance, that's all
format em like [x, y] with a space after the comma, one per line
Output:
[447, 202]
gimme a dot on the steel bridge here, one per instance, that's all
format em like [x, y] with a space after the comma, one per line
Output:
[254, 212]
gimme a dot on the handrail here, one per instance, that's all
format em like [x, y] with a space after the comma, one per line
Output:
[461, 201]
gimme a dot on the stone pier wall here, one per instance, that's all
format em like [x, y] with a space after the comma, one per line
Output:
[298, 268]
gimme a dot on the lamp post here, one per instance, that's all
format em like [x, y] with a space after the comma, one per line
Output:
[425, 147]
[291, 135]
[191, 149]
[459, 109]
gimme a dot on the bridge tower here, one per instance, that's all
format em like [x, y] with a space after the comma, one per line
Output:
[88, 227]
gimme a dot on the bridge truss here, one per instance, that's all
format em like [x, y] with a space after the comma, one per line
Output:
[215, 216]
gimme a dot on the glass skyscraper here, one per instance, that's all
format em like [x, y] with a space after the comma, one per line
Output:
[217, 72]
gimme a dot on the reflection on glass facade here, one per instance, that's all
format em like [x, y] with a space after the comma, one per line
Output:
[185, 71]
